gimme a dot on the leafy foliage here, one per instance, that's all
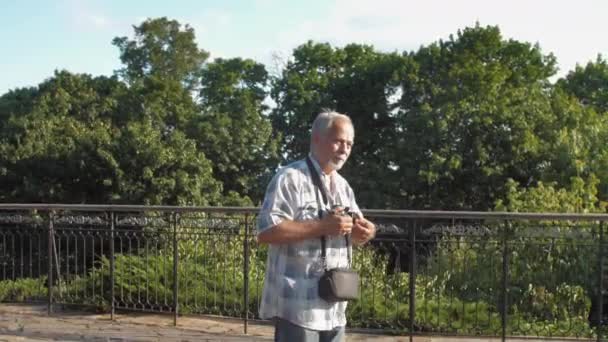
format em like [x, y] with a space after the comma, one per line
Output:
[444, 127]
[356, 80]
[589, 84]
[23, 289]
[474, 112]
[161, 50]
[233, 129]
[457, 290]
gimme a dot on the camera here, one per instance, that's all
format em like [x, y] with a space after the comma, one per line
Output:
[341, 211]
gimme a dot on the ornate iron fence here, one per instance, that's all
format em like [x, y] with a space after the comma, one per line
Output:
[426, 272]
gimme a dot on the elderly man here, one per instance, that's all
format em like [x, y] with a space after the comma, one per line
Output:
[290, 223]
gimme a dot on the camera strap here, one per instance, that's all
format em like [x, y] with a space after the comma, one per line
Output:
[316, 180]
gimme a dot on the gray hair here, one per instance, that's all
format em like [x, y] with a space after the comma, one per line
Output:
[325, 120]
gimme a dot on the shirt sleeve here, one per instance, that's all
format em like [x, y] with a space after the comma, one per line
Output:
[279, 201]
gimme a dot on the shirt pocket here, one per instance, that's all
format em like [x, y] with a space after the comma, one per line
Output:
[307, 211]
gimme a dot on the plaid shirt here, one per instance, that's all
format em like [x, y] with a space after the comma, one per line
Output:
[293, 270]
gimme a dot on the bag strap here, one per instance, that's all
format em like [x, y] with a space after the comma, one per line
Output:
[316, 180]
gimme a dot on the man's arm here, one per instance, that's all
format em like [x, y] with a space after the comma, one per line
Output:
[288, 231]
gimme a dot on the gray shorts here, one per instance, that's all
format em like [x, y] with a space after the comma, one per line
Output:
[285, 331]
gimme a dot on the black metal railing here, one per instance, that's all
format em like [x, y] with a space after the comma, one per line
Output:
[426, 272]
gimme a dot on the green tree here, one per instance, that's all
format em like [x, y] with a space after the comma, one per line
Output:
[159, 168]
[59, 148]
[163, 50]
[474, 112]
[162, 65]
[577, 149]
[541, 265]
[578, 196]
[75, 147]
[356, 80]
[233, 129]
[582, 126]
[15, 103]
[589, 84]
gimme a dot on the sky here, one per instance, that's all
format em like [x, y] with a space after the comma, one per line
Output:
[39, 37]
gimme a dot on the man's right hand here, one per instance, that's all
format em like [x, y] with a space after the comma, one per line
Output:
[337, 224]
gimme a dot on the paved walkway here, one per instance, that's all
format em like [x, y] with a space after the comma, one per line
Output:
[31, 323]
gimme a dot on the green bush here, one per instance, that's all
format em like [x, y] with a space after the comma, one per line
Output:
[23, 289]
[458, 287]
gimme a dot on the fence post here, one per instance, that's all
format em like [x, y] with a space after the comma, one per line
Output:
[49, 279]
[412, 279]
[175, 276]
[246, 274]
[600, 292]
[112, 304]
[505, 274]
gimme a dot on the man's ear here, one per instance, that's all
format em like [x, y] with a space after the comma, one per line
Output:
[315, 139]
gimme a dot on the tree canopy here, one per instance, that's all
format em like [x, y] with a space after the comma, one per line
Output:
[472, 122]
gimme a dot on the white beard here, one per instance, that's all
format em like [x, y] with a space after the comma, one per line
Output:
[337, 164]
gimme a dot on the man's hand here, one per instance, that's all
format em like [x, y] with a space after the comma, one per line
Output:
[337, 224]
[363, 230]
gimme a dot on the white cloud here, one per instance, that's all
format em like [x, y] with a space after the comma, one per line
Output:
[207, 26]
[208, 22]
[573, 32]
[265, 4]
[99, 21]
[86, 15]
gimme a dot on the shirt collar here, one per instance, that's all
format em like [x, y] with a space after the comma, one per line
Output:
[315, 163]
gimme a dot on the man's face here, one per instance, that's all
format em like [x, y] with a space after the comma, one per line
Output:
[334, 147]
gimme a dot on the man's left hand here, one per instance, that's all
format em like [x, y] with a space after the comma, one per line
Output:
[363, 230]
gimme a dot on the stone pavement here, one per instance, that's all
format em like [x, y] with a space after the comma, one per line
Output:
[31, 323]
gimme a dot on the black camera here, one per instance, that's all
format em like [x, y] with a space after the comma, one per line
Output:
[341, 211]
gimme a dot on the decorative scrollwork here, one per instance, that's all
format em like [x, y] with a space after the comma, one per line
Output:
[81, 220]
[458, 229]
[141, 221]
[388, 228]
[210, 223]
[20, 219]
[554, 233]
